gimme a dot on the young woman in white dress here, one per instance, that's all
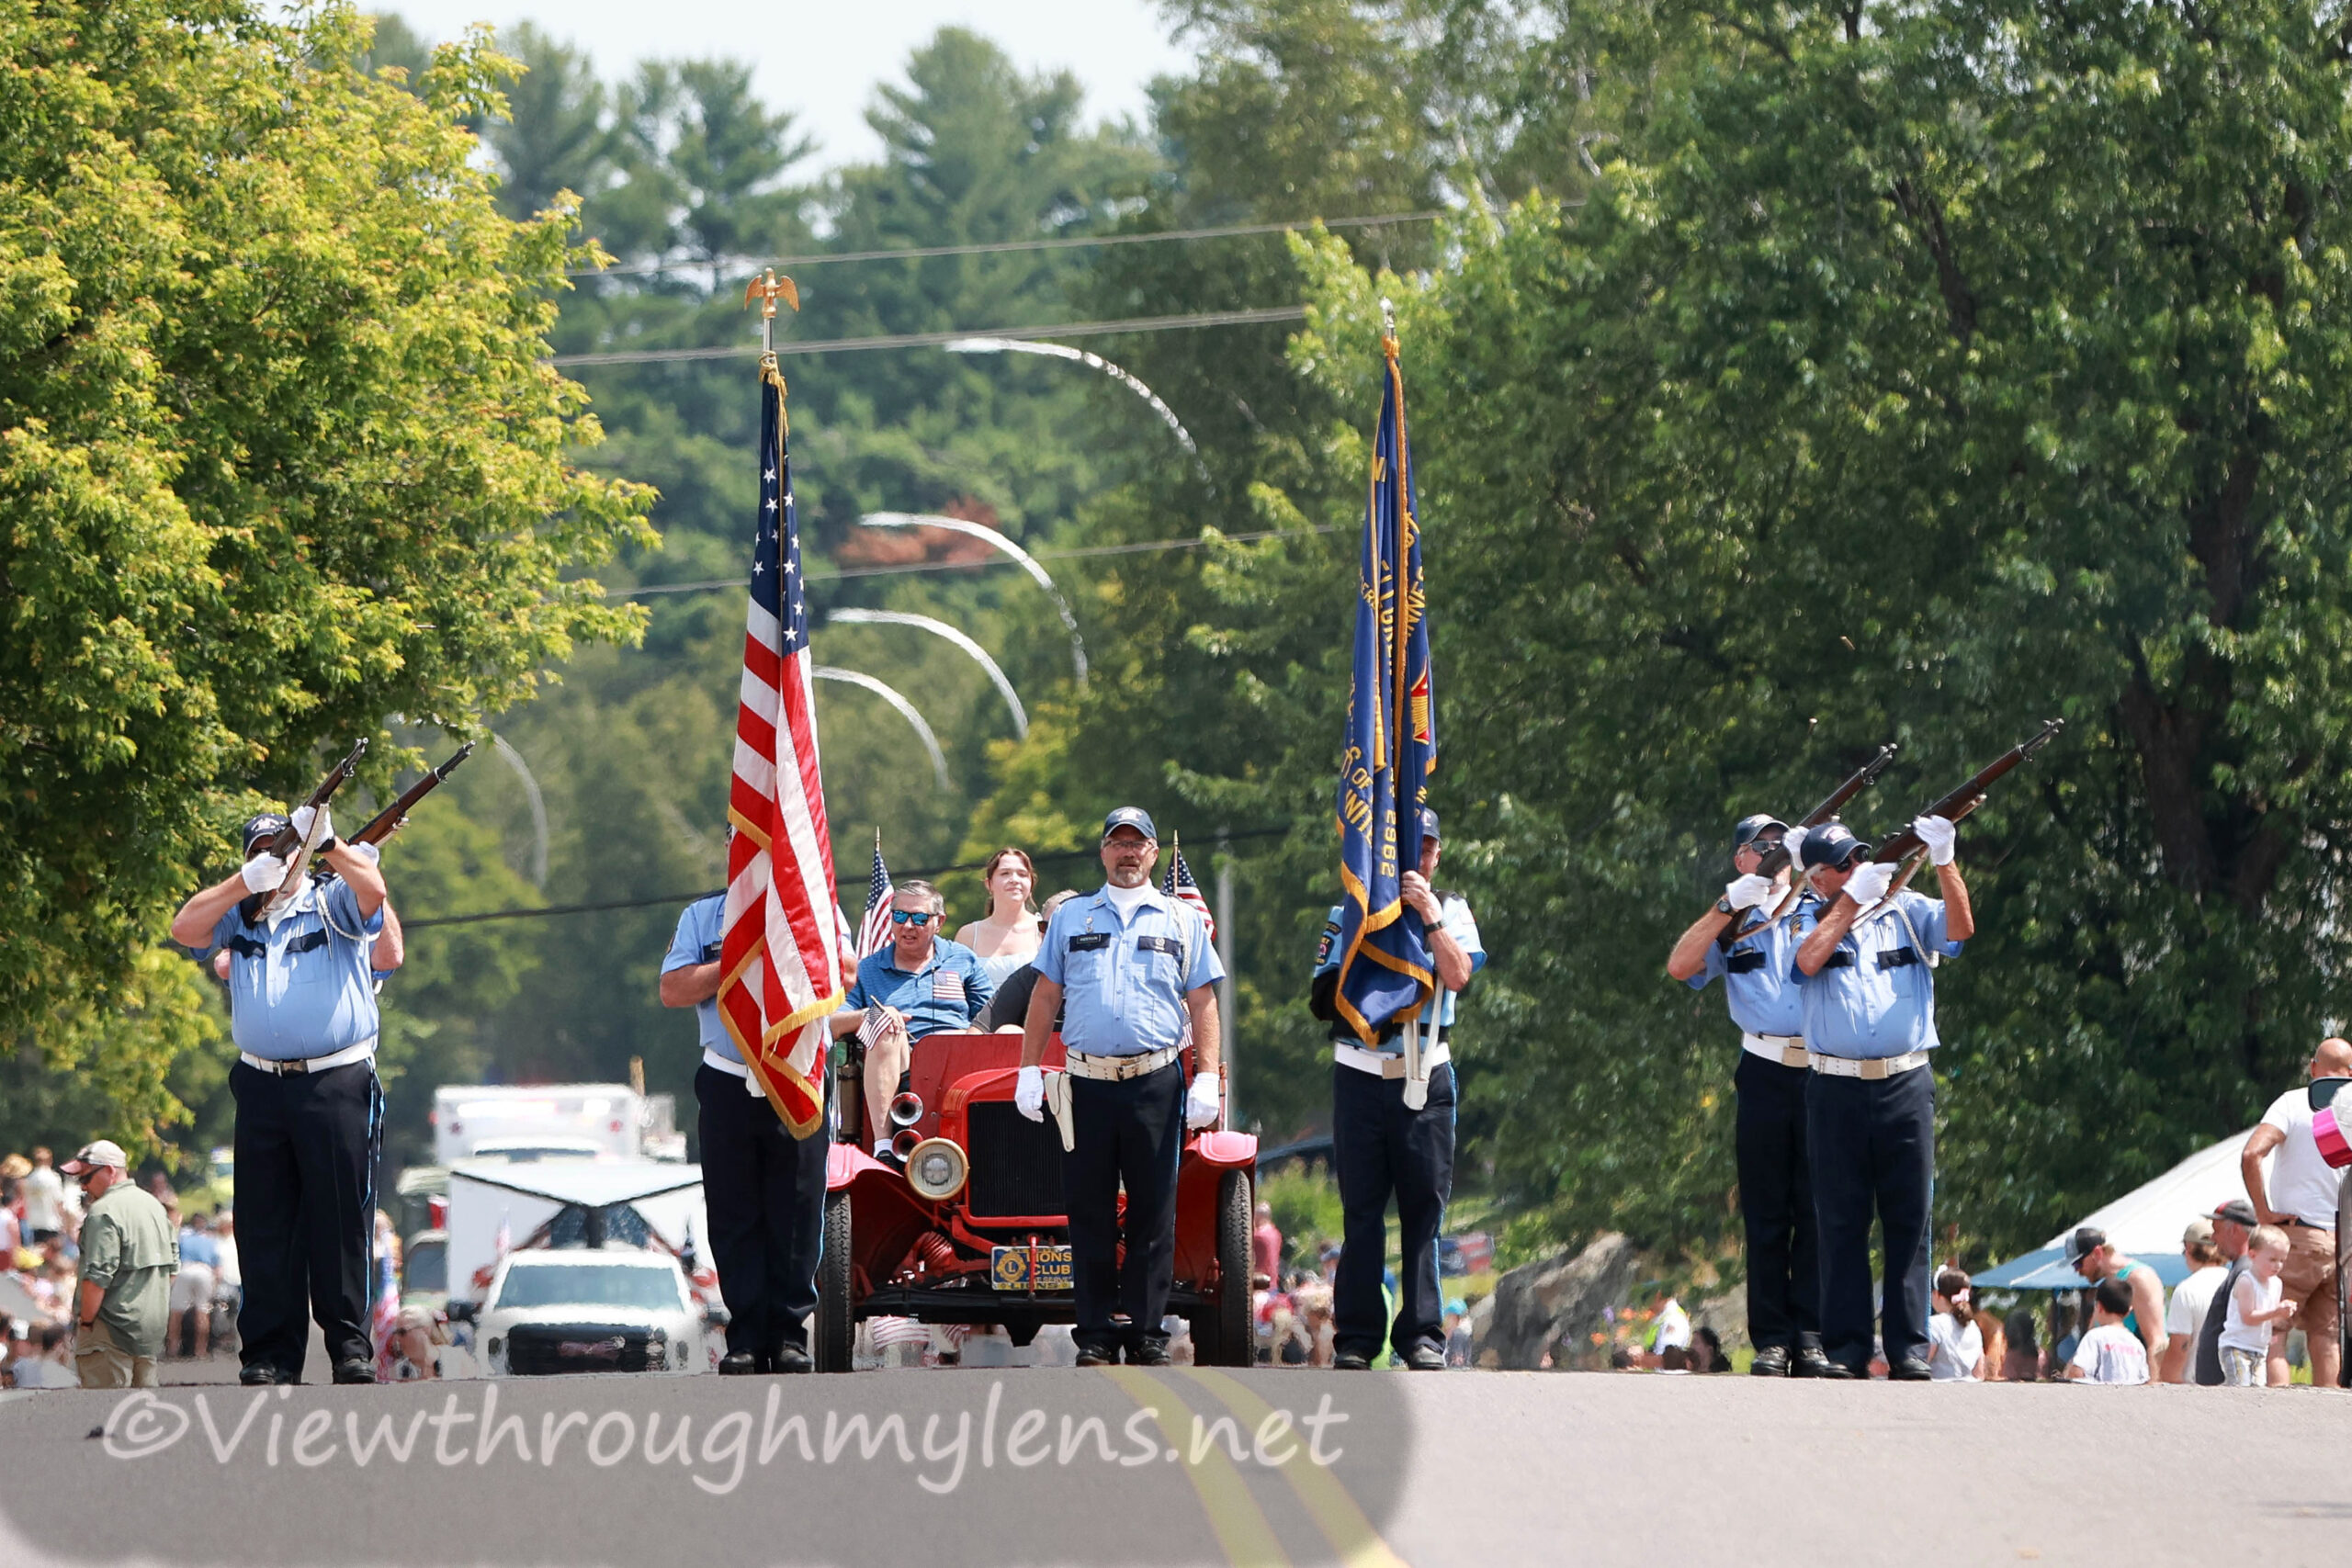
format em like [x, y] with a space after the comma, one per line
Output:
[1007, 936]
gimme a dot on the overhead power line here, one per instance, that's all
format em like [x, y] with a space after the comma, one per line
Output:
[1142, 546]
[674, 899]
[940, 340]
[1002, 247]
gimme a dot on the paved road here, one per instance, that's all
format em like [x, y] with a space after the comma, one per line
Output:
[1481, 1470]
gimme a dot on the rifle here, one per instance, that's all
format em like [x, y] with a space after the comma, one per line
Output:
[1970, 796]
[296, 847]
[387, 822]
[1771, 862]
[1907, 845]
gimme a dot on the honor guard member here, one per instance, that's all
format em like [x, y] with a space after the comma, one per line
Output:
[763, 1189]
[1380, 1146]
[1865, 965]
[309, 1111]
[1129, 967]
[918, 982]
[1775, 1181]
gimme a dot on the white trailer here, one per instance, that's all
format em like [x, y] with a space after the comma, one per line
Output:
[524, 1122]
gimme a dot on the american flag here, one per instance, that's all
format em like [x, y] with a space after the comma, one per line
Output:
[1184, 890]
[780, 959]
[876, 929]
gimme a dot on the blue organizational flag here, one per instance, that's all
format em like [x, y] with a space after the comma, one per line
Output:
[1385, 965]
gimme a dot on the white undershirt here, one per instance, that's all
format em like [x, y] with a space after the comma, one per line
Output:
[1125, 900]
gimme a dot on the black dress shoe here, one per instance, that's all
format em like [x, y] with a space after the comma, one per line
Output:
[1831, 1368]
[1095, 1356]
[260, 1375]
[1349, 1361]
[1771, 1361]
[1425, 1358]
[1150, 1353]
[1911, 1369]
[354, 1369]
[1812, 1362]
[791, 1359]
[737, 1364]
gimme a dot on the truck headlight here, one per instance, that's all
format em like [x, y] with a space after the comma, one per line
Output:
[936, 1168]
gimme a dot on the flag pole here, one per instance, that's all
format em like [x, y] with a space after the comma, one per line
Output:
[1416, 1073]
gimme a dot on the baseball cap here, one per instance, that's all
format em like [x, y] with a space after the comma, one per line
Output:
[1745, 831]
[2198, 1233]
[101, 1153]
[1134, 817]
[1429, 824]
[1832, 844]
[268, 825]
[2238, 1212]
[2083, 1242]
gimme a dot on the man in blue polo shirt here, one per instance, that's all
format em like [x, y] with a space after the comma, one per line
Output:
[919, 982]
[1865, 966]
[309, 1111]
[1768, 1137]
[1129, 967]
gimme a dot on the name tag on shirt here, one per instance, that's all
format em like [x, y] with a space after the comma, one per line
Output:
[946, 986]
[1088, 941]
[1167, 944]
[710, 952]
[1743, 963]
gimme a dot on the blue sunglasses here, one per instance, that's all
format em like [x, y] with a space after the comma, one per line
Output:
[911, 917]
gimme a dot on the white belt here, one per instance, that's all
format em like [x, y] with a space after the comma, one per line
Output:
[1116, 1068]
[1788, 1050]
[1872, 1067]
[301, 1064]
[711, 1058]
[1384, 1066]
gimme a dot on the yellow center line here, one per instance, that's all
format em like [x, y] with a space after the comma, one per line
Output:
[1335, 1511]
[1242, 1527]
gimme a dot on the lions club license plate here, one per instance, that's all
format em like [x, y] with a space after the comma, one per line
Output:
[1045, 1267]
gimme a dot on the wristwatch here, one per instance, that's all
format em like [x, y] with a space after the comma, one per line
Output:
[1723, 907]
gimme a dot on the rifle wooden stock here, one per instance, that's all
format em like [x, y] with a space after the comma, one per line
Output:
[387, 822]
[1970, 796]
[293, 846]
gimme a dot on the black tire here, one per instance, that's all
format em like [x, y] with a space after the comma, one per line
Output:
[1221, 1330]
[836, 1314]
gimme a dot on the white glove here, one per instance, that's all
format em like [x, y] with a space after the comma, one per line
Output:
[1746, 892]
[1029, 1093]
[1869, 883]
[1938, 835]
[1794, 842]
[265, 874]
[1203, 1100]
[301, 820]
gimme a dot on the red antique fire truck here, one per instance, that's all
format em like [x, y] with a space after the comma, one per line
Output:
[974, 1231]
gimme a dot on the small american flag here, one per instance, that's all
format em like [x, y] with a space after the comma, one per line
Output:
[1184, 890]
[875, 932]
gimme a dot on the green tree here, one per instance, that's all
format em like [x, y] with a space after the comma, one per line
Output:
[278, 459]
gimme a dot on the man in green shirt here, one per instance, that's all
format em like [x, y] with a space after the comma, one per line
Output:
[129, 1253]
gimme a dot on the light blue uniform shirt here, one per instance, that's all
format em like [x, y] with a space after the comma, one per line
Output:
[301, 987]
[1123, 982]
[946, 993]
[1438, 1011]
[700, 928]
[1876, 996]
[1755, 974]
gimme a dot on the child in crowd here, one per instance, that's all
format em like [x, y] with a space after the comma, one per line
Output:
[1955, 1343]
[2110, 1352]
[2255, 1304]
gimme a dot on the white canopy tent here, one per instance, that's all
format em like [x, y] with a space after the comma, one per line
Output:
[2146, 1222]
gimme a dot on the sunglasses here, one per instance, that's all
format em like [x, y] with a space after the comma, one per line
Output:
[911, 917]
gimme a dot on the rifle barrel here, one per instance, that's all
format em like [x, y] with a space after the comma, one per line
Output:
[385, 823]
